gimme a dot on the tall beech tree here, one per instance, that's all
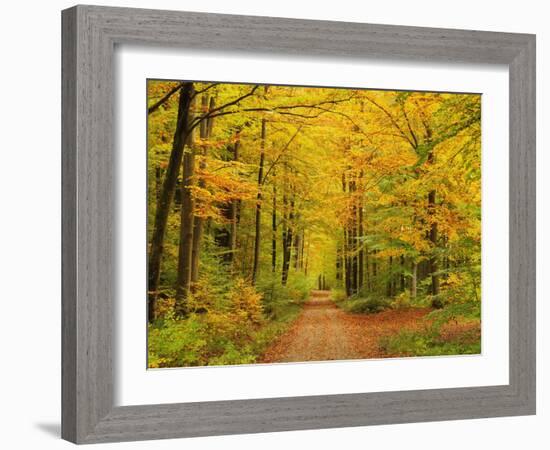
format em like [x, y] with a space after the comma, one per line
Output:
[187, 218]
[181, 136]
[258, 219]
[206, 127]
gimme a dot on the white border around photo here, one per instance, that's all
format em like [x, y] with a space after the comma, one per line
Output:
[136, 385]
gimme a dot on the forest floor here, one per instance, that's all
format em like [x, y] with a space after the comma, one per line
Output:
[325, 332]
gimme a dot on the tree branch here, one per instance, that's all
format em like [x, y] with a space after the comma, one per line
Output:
[392, 119]
[164, 99]
[211, 114]
[274, 163]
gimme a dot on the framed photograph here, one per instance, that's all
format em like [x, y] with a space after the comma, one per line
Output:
[277, 224]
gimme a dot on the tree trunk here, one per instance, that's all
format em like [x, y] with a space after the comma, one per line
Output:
[297, 248]
[306, 257]
[433, 226]
[183, 283]
[274, 228]
[360, 231]
[402, 273]
[206, 127]
[353, 241]
[347, 263]
[338, 264]
[258, 220]
[433, 239]
[361, 256]
[167, 195]
[287, 245]
[234, 214]
[302, 249]
[413, 279]
[375, 266]
[390, 278]
[367, 270]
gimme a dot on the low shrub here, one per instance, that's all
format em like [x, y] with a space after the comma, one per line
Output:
[177, 343]
[231, 327]
[365, 305]
[338, 295]
[401, 301]
[277, 299]
[368, 306]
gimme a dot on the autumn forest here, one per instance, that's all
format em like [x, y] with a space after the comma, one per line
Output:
[290, 224]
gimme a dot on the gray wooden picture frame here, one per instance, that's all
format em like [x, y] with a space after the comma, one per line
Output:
[90, 34]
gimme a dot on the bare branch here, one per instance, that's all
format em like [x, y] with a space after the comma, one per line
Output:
[404, 111]
[392, 120]
[211, 114]
[164, 99]
[205, 89]
[274, 163]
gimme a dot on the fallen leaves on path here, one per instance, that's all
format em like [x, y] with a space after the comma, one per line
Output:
[324, 332]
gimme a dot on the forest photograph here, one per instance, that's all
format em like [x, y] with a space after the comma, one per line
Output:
[298, 224]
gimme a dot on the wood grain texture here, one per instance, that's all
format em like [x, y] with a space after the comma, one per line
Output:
[89, 36]
[68, 227]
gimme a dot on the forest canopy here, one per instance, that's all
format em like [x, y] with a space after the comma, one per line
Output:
[258, 194]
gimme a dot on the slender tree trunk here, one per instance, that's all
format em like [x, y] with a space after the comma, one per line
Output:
[198, 222]
[198, 230]
[360, 231]
[274, 228]
[433, 227]
[285, 226]
[367, 270]
[361, 256]
[297, 247]
[258, 220]
[414, 269]
[433, 239]
[346, 249]
[234, 214]
[338, 264]
[353, 243]
[306, 257]
[303, 241]
[347, 263]
[402, 273]
[390, 278]
[167, 195]
[375, 270]
[287, 247]
[183, 283]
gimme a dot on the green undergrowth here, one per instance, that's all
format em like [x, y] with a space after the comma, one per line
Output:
[433, 337]
[436, 337]
[360, 305]
[228, 324]
[427, 343]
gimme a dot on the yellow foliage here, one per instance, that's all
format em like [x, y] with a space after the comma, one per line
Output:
[246, 301]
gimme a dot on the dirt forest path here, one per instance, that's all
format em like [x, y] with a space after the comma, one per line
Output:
[324, 332]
